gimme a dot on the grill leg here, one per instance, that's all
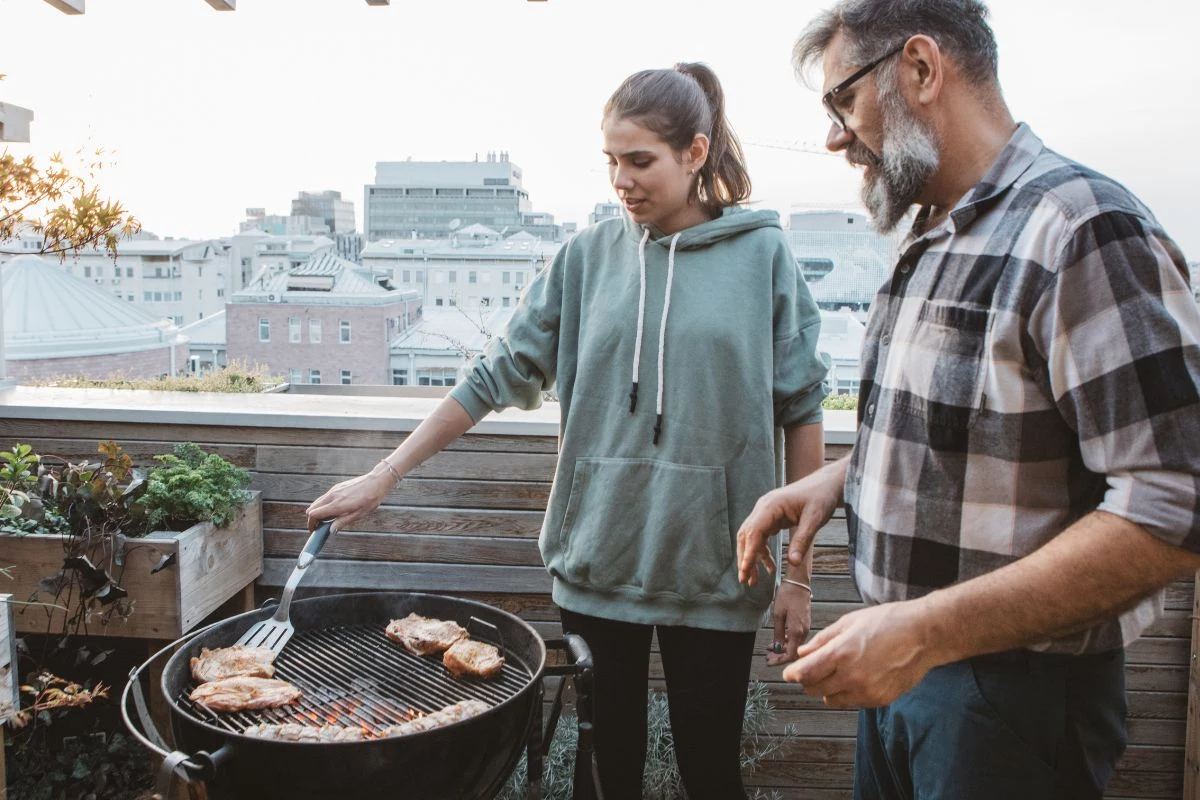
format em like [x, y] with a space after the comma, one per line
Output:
[533, 748]
[586, 784]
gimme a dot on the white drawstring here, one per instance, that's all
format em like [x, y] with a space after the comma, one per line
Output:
[637, 345]
[662, 336]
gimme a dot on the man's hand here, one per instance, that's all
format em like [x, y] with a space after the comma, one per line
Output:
[806, 504]
[867, 658]
[792, 613]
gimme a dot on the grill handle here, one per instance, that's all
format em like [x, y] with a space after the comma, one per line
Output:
[200, 766]
[586, 782]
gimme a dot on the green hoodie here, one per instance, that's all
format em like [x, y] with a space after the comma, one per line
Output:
[654, 477]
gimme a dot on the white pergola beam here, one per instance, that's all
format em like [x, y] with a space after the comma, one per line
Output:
[222, 5]
[68, 6]
[378, 2]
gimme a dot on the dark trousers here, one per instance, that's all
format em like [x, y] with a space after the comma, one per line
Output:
[1017, 724]
[707, 674]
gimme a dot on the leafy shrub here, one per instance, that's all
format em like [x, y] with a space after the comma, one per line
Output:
[236, 377]
[193, 485]
[840, 402]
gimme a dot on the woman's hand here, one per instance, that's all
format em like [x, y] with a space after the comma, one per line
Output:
[351, 499]
[792, 613]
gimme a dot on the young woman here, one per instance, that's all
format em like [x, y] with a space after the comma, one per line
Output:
[678, 338]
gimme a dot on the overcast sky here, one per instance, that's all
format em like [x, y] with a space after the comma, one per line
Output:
[209, 113]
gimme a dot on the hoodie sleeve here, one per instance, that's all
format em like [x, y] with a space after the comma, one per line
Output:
[800, 369]
[517, 365]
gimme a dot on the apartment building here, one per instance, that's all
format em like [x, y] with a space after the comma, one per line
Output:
[323, 321]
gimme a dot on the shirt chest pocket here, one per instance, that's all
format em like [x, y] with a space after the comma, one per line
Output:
[940, 373]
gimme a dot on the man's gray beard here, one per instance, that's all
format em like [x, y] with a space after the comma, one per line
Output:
[909, 157]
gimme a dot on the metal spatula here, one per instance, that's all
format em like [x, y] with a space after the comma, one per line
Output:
[274, 633]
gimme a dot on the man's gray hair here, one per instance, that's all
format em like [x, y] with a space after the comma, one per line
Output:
[872, 27]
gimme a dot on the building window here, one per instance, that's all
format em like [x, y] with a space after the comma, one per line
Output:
[179, 295]
[87, 272]
[147, 296]
[295, 375]
[116, 272]
[453, 302]
[314, 331]
[504, 301]
[294, 330]
[178, 318]
[437, 376]
[345, 377]
[129, 272]
[399, 377]
[264, 329]
[406, 276]
[221, 292]
[199, 272]
[437, 301]
[453, 276]
[472, 277]
[344, 331]
[419, 275]
[199, 294]
[506, 277]
[314, 376]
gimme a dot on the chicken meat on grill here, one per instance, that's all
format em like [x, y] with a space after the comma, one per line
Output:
[422, 636]
[291, 732]
[445, 716]
[473, 658]
[242, 693]
[226, 662]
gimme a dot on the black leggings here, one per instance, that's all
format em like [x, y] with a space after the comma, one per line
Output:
[707, 674]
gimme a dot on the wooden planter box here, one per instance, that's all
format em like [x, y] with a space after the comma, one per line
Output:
[211, 565]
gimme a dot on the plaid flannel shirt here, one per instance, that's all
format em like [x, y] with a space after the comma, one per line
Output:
[1031, 359]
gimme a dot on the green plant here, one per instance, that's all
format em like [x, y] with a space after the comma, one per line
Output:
[237, 378]
[661, 779]
[192, 485]
[840, 402]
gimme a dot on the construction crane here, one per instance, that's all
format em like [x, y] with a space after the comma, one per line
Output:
[795, 146]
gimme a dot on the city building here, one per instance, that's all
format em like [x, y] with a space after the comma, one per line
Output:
[206, 344]
[433, 199]
[182, 279]
[328, 206]
[841, 340]
[324, 321]
[605, 210]
[59, 325]
[843, 260]
[474, 267]
[434, 351]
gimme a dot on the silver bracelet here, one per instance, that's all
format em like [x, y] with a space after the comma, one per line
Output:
[801, 585]
[396, 474]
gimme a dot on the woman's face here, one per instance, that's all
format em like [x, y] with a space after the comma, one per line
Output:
[653, 181]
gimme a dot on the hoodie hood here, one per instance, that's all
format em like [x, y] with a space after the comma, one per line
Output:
[734, 220]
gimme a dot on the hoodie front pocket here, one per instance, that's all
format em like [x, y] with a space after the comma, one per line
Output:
[649, 526]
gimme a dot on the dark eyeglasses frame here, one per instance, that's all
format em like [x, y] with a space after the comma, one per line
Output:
[827, 99]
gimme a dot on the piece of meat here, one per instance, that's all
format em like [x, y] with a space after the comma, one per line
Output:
[242, 693]
[226, 662]
[436, 719]
[422, 636]
[291, 732]
[473, 658]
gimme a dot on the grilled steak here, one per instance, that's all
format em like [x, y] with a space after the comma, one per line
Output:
[445, 716]
[226, 662]
[422, 636]
[241, 693]
[473, 658]
[291, 732]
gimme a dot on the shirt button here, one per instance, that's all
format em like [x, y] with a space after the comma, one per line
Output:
[887, 339]
[871, 410]
[904, 269]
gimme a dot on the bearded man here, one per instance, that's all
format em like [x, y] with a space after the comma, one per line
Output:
[1026, 474]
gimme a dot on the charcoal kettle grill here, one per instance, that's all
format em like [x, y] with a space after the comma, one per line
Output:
[351, 674]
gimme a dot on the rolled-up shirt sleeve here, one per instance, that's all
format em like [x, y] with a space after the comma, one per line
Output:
[1120, 330]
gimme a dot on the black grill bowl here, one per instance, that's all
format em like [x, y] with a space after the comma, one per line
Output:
[469, 759]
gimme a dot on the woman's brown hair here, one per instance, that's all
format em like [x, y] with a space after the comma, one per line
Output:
[677, 104]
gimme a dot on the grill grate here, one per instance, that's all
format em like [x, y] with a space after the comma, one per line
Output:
[354, 675]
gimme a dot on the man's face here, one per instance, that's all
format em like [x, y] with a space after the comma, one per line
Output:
[899, 152]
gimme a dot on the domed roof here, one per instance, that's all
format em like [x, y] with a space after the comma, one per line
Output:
[49, 313]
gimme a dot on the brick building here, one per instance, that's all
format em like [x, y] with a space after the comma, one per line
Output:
[326, 321]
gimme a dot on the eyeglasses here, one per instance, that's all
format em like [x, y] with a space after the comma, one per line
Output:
[828, 98]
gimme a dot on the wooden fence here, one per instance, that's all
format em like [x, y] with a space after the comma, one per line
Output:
[467, 522]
